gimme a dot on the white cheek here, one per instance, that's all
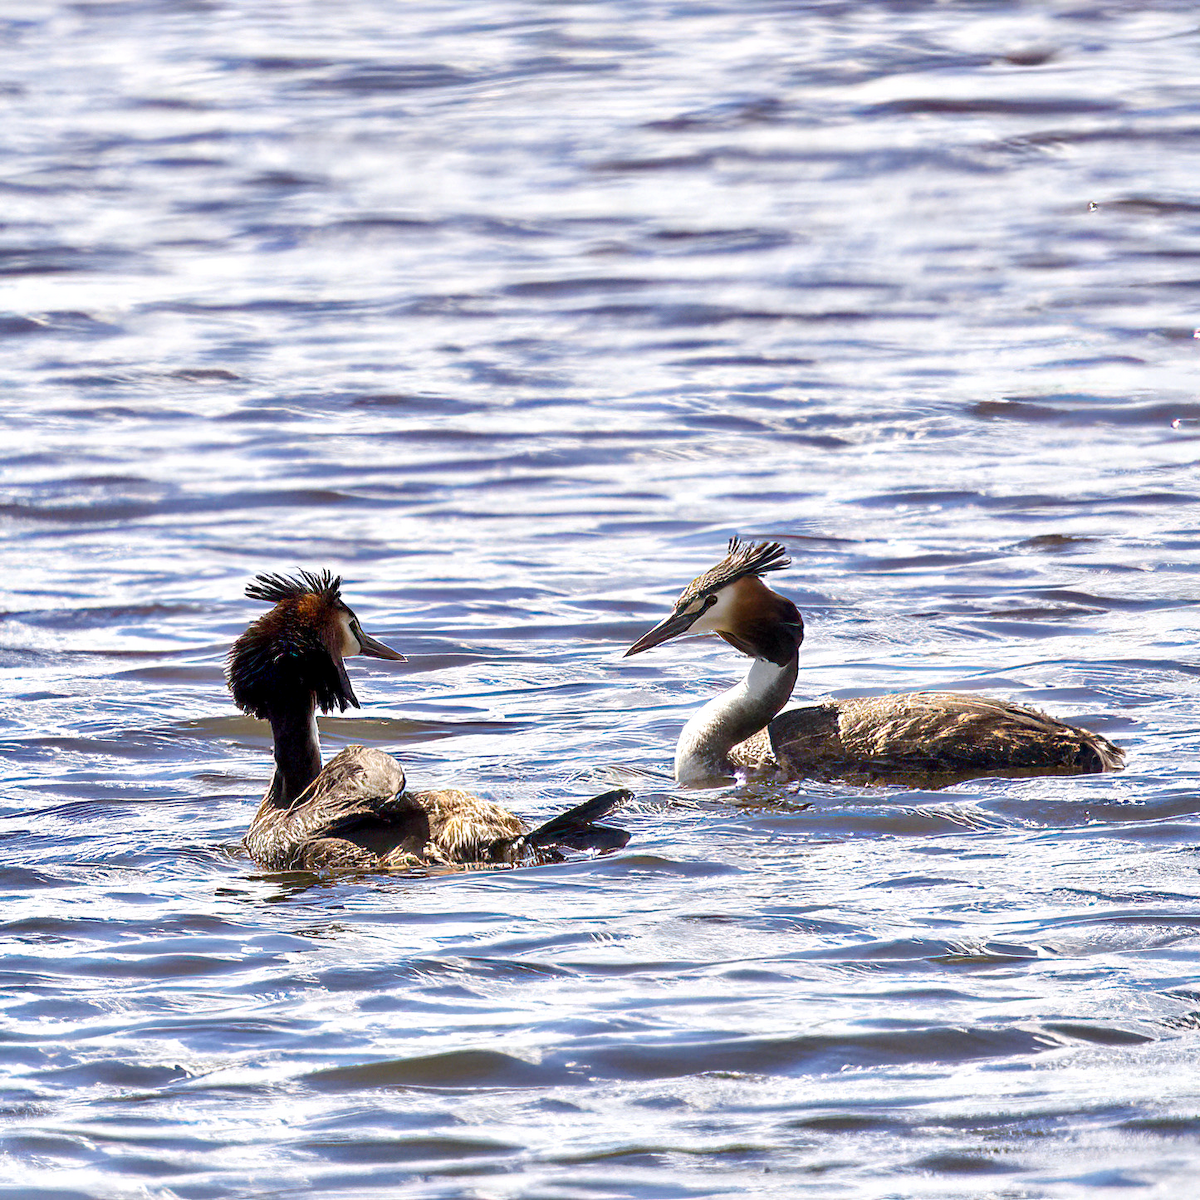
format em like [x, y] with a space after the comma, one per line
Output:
[350, 644]
[717, 616]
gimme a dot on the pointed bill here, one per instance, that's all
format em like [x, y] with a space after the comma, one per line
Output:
[673, 626]
[376, 649]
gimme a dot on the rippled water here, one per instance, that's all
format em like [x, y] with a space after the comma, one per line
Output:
[512, 313]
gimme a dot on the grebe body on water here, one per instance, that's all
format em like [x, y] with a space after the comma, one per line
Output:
[357, 813]
[928, 739]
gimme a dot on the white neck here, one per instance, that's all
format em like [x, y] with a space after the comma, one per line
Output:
[702, 755]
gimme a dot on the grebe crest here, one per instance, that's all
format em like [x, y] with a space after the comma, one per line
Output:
[731, 601]
[299, 646]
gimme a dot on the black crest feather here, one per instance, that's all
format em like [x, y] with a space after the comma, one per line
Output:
[284, 654]
[744, 558]
[274, 588]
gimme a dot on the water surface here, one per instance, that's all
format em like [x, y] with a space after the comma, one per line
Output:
[512, 313]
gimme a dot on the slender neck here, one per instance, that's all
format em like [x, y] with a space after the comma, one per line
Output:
[702, 755]
[297, 750]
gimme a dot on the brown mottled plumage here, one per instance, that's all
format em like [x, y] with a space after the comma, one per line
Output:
[356, 813]
[927, 739]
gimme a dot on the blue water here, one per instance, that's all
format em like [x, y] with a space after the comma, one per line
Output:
[511, 313]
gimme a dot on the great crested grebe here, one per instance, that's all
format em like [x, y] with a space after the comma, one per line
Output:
[929, 739]
[356, 813]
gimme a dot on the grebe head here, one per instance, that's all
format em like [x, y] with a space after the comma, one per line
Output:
[299, 646]
[731, 600]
